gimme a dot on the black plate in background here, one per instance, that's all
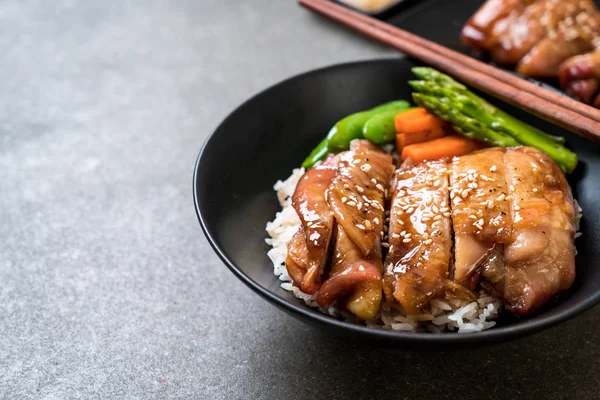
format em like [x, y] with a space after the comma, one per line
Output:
[268, 136]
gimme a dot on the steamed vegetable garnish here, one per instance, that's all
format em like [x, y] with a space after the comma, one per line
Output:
[380, 128]
[353, 127]
[449, 146]
[416, 126]
[477, 119]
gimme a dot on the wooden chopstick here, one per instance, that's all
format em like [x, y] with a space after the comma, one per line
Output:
[560, 110]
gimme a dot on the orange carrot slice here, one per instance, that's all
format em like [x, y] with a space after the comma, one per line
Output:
[448, 146]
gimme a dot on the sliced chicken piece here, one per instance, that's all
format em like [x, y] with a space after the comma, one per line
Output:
[521, 31]
[493, 272]
[540, 261]
[583, 90]
[572, 36]
[416, 268]
[480, 212]
[308, 250]
[477, 32]
[579, 76]
[357, 198]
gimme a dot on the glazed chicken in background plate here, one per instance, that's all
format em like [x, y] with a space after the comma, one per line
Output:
[542, 39]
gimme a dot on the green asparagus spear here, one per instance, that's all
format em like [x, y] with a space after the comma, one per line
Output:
[451, 112]
[454, 102]
[431, 76]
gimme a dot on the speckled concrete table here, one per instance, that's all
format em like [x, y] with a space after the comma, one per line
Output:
[108, 288]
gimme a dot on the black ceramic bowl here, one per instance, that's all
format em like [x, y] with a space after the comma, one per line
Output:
[269, 135]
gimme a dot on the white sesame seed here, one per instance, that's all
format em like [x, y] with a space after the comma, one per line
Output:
[406, 241]
[500, 230]
[385, 193]
[472, 216]
[401, 193]
[380, 187]
[512, 188]
[400, 222]
[408, 235]
[517, 208]
[429, 215]
[436, 183]
[402, 233]
[357, 161]
[360, 189]
[471, 171]
[410, 210]
[425, 219]
[446, 214]
[435, 209]
[361, 227]
[493, 168]
[344, 199]
[456, 201]
[465, 193]
[395, 235]
[368, 224]
[386, 245]
[437, 218]
[444, 209]
[351, 203]
[426, 235]
[359, 205]
[374, 181]
[490, 204]
[346, 186]
[376, 220]
[365, 167]
[509, 198]
[535, 190]
[428, 241]
[385, 228]
[480, 222]
[501, 197]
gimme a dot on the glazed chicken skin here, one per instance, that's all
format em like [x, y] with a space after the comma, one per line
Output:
[540, 260]
[480, 211]
[420, 238]
[308, 250]
[356, 197]
[514, 227]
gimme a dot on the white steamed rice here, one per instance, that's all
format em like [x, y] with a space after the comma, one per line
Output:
[445, 315]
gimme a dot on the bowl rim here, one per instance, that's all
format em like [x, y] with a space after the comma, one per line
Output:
[495, 334]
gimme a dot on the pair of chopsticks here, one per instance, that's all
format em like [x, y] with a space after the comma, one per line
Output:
[560, 110]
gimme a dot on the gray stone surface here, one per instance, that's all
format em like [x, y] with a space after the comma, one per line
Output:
[108, 288]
